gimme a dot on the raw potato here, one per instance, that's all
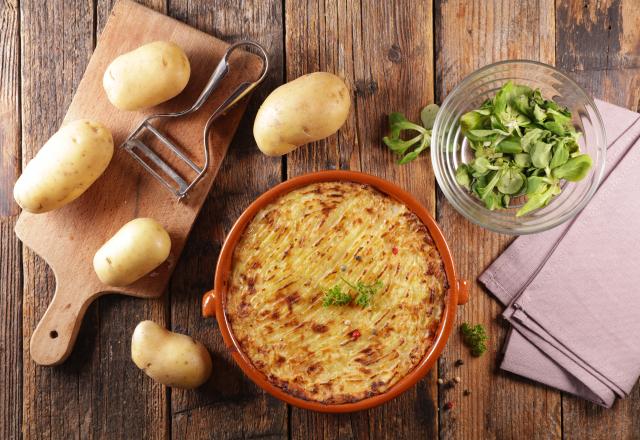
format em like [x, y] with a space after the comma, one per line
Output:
[147, 76]
[67, 164]
[135, 250]
[172, 359]
[304, 110]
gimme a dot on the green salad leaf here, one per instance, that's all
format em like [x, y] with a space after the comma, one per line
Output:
[407, 139]
[574, 169]
[511, 180]
[524, 145]
[428, 115]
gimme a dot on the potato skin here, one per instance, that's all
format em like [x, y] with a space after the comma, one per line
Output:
[146, 76]
[66, 165]
[172, 359]
[304, 110]
[136, 249]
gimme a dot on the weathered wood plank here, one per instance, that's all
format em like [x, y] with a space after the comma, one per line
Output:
[10, 331]
[104, 7]
[96, 392]
[229, 405]
[141, 405]
[52, 407]
[320, 36]
[9, 104]
[10, 249]
[469, 35]
[600, 47]
[383, 50]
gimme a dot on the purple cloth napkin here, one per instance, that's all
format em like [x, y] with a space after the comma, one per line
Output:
[571, 293]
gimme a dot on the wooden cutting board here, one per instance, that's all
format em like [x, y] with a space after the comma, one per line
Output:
[68, 238]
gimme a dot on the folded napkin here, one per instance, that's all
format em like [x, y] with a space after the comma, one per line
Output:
[571, 292]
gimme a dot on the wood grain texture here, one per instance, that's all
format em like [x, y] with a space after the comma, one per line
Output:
[320, 36]
[134, 391]
[600, 47]
[10, 248]
[104, 7]
[598, 43]
[229, 405]
[9, 104]
[96, 393]
[10, 331]
[383, 50]
[469, 35]
[56, 45]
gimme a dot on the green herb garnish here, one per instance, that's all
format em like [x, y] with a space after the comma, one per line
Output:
[336, 297]
[409, 149]
[523, 145]
[364, 293]
[475, 337]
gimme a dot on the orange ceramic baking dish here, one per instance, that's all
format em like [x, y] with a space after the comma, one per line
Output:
[214, 300]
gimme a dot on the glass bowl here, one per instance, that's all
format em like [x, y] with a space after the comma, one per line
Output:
[449, 147]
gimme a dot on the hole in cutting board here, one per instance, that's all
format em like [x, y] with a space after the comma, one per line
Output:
[53, 334]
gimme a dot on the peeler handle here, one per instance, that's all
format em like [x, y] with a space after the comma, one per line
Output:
[246, 87]
[218, 74]
[221, 71]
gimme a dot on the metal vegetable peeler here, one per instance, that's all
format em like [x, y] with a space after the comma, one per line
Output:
[163, 172]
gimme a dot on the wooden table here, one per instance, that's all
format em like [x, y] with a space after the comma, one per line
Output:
[395, 55]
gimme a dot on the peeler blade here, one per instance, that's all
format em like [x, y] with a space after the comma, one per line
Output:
[139, 151]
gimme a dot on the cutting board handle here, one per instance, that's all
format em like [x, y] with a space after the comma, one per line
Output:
[53, 338]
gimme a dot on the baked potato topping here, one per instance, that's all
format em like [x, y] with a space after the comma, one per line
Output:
[299, 246]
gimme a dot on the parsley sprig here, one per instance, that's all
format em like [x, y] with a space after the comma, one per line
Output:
[364, 291]
[475, 337]
[336, 296]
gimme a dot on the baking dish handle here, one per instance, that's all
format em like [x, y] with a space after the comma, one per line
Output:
[209, 304]
[209, 299]
[463, 291]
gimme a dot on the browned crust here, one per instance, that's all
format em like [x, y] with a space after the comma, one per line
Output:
[302, 244]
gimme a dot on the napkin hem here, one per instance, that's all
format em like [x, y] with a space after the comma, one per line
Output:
[573, 385]
[544, 341]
